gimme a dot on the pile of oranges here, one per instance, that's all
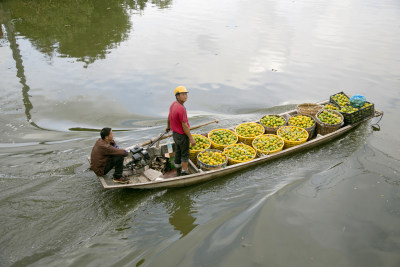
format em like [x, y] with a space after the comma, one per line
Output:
[341, 99]
[329, 117]
[367, 104]
[268, 143]
[202, 142]
[331, 107]
[240, 152]
[249, 129]
[348, 109]
[272, 121]
[211, 157]
[302, 121]
[223, 137]
[290, 133]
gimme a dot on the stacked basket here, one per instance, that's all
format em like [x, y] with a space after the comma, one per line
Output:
[247, 131]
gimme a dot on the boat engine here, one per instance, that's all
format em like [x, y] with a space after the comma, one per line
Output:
[140, 157]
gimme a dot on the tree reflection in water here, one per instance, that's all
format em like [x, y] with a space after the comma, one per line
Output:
[83, 29]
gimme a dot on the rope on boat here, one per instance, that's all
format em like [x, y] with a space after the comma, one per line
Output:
[376, 125]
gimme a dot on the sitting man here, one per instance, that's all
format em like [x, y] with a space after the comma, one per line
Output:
[106, 155]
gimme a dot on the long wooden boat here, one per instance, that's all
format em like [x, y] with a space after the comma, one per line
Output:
[151, 179]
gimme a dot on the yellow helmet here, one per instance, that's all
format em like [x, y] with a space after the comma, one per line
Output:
[180, 89]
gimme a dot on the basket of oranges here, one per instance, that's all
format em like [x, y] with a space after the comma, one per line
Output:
[267, 144]
[292, 135]
[202, 143]
[211, 159]
[248, 131]
[221, 138]
[329, 121]
[238, 153]
[271, 123]
[306, 122]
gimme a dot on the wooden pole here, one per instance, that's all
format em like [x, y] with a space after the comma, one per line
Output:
[169, 135]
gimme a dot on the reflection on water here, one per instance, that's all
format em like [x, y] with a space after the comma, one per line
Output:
[180, 208]
[85, 30]
[20, 71]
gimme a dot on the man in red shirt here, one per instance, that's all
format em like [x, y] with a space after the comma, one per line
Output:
[106, 154]
[178, 122]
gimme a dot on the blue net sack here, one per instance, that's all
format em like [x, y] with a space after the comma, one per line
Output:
[357, 101]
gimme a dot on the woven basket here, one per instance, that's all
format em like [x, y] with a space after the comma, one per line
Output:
[272, 130]
[264, 152]
[324, 128]
[311, 129]
[193, 153]
[208, 167]
[234, 161]
[248, 140]
[309, 109]
[289, 143]
[218, 146]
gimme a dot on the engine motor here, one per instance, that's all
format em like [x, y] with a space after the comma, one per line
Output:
[140, 157]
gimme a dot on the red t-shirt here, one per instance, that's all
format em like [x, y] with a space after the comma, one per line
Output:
[177, 115]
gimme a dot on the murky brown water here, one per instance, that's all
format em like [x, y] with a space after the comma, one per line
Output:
[68, 69]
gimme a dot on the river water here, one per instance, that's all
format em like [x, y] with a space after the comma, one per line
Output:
[70, 68]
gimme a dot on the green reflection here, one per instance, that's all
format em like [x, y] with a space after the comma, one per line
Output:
[180, 209]
[82, 29]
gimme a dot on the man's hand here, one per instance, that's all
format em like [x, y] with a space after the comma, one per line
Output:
[114, 144]
[192, 141]
[167, 129]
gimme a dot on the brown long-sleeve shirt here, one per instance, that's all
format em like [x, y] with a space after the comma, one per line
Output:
[101, 153]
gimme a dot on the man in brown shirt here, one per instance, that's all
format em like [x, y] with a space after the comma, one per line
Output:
[106, 155]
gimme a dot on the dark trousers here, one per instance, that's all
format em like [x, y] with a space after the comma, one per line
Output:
[182, 147]
[118, 163]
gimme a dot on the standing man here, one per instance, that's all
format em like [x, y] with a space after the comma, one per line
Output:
[178, 122]
[106, 155]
